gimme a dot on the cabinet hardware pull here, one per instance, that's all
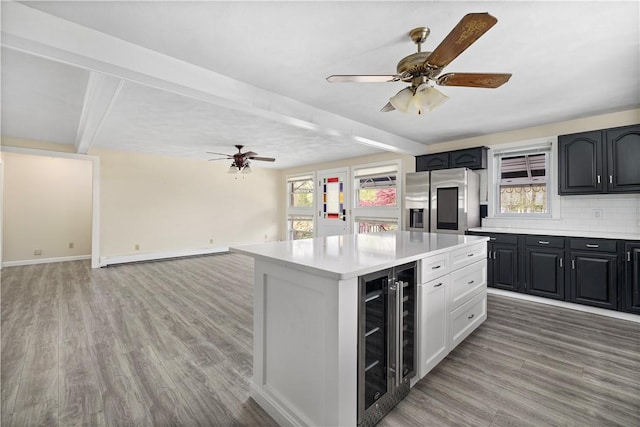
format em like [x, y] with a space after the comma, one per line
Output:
[628, 256]
[492, 238]
[494, 254]
[560, 262]
[436, 267]
[598, 179]
[589, 245]
[471, 254]
[469, 283]
[470, 317]
[573, 264]
[610, 179]
[543, 242]
[438, 285]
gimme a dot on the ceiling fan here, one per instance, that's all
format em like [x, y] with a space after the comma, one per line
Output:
[422, 69]
[241, 160]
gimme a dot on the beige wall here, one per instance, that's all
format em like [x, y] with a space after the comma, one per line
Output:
[601, 121]
[46, 205]
[166, 204]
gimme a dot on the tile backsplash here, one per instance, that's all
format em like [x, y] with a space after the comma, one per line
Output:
[607, 212]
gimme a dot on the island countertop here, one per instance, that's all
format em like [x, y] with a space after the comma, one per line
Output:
[351, 255]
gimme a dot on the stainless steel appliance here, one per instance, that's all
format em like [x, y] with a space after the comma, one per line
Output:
[442, 201]
[386, 340]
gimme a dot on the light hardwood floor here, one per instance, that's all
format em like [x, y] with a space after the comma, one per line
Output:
[170, 343]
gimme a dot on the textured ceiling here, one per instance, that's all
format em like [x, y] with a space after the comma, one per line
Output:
[568, 60]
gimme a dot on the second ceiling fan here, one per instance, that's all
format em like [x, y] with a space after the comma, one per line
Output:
[422, 69]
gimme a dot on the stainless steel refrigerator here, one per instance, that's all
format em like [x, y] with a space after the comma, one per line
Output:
[442, 201]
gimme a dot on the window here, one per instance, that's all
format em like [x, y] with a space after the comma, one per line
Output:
[366, 225]
[300, 207]
[300, 192]
[523, 182]
[300, 227]
[376, 206]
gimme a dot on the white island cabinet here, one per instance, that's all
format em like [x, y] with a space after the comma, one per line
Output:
[305, 335]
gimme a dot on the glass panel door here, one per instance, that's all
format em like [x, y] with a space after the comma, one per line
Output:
[332, 203]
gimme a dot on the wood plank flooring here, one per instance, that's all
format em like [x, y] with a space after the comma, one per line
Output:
[170, 343]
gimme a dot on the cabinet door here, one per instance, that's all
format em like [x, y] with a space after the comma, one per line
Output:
[433, 323]
[473, 158]
[580, 165]
[594, 279]
[504, 266]
[623, 159]
[544, 272]
[432, 162]
[632, 270]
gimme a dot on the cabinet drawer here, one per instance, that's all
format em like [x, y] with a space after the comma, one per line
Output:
[511, 239]
[434, 266]
[466, 319]
[545, 241]
[468, 255]
[599, 245]
[466, 283]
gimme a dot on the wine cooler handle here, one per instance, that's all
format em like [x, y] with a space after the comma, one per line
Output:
[393, 328]
[399, 328]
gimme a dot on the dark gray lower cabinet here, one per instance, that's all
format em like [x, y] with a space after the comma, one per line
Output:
[594, 279]
[632, 270]
[544, 272]
[502, 271]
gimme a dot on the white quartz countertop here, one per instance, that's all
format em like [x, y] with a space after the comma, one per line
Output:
[567, 233]
[352, 255]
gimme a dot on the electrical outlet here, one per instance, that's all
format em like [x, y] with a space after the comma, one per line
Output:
[211, 241]
[37, 252]
[137, 247]
[71, 245]
[597, 213]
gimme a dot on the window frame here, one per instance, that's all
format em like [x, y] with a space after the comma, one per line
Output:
[296, 211]
[376, 213]
[544, 145]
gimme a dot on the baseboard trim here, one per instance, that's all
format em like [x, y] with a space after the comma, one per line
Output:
[155, 256]
[45, 260]
[572, 306]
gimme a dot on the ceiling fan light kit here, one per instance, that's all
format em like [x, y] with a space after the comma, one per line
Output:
[240, 161]
[422, 69]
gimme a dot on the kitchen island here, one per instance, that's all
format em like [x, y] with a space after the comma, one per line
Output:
[306, 304]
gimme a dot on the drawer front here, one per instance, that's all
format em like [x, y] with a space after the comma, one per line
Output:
[466, 319]
[434, 266]
[599, 245]
[468, 255]
[466, 283]
[545, 241]
[503, 238]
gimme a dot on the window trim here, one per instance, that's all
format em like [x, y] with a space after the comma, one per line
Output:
[548, 145]
[291, 211]
[379, 213]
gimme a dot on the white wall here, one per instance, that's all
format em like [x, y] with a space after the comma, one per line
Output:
[46, 206]
[168, 204]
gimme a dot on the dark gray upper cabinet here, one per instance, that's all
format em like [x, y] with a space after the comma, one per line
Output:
[599, 161]
[632, 272]
[623, 159]
[580, 163]
[472, 158]
[432, 162]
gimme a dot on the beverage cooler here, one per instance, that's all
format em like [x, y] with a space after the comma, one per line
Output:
[386, 340]
[442, 201]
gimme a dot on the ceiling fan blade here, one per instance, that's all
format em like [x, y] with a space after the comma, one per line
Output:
[470, 28]
[486, 80]
[388, 107]
[221, 158]
[220, 154]
[362, 79]
[249, 154]
[263, 159]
